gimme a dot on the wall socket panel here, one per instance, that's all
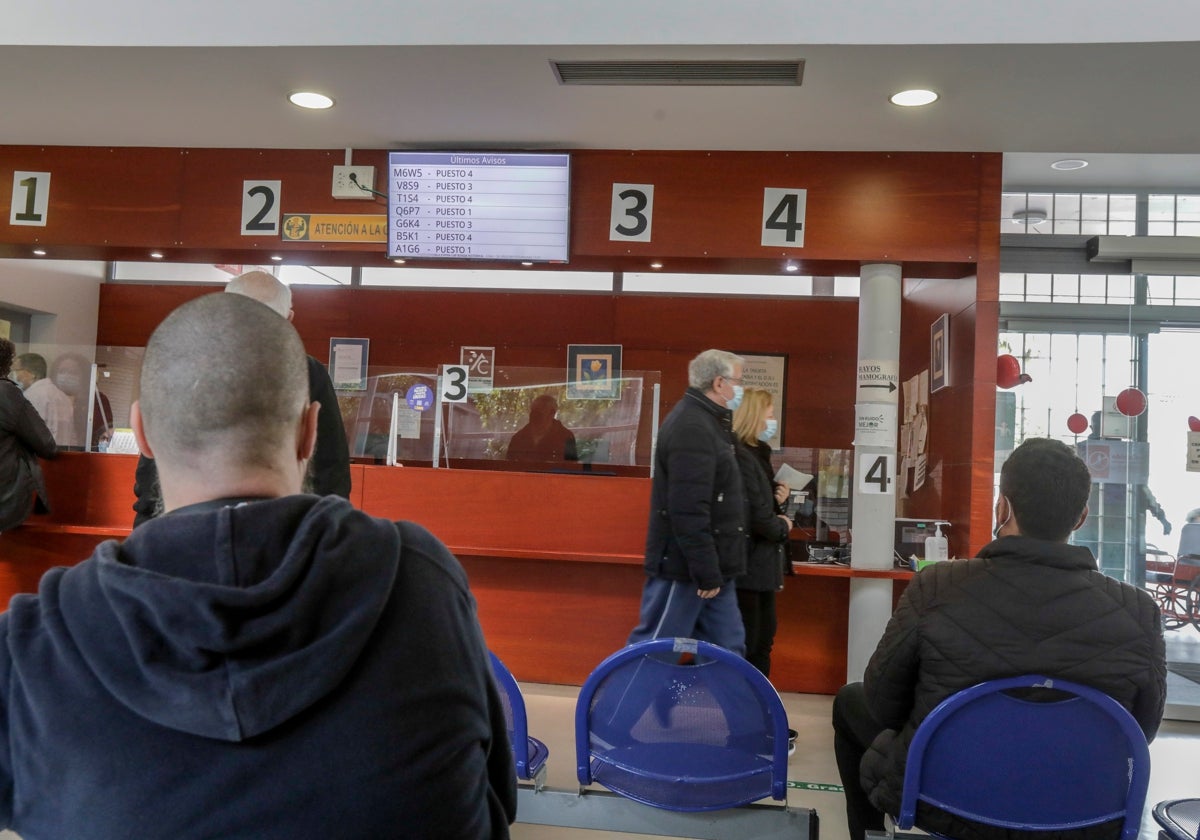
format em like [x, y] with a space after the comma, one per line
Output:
[343, 187]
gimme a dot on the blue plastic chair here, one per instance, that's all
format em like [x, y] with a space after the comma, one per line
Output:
[1179, 818]
[529, 754]
[1009, 760]
[682, 725]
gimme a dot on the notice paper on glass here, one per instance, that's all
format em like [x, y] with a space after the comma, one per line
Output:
[792, 477]
[348, 363]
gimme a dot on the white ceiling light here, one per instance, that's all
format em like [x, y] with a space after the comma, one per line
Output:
[791, 266]
[1029, 216]
[39, 252]
[310, 99]
[156, 255]
[913, 98]
[1068, 164]
[277, 258]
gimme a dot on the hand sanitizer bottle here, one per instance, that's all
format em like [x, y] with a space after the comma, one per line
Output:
[936, 547]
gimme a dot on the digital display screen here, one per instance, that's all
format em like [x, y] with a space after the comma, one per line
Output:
[479, 206]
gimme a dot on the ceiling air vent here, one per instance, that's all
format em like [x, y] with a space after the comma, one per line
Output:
[678, 72]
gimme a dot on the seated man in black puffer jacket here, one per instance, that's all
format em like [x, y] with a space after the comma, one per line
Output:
[1030, 603]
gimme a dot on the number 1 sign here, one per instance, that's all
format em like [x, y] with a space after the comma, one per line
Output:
[30, 198]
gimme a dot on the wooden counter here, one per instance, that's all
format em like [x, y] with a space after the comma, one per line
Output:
[555, 560]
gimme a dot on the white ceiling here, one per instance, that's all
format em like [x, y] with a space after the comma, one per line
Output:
[1104, 80]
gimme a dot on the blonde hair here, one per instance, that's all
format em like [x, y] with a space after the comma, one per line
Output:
[748, 417]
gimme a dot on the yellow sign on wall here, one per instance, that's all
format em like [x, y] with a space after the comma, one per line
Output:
[314, 227]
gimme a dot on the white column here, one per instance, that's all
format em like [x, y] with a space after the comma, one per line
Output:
[874, 493]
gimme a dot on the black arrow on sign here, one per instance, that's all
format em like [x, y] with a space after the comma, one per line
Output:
[891, 386]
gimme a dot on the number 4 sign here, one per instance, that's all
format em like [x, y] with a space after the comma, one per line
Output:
[783, 217]
[876, 474]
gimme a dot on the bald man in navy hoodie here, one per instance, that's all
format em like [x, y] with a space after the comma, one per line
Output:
[255, 663]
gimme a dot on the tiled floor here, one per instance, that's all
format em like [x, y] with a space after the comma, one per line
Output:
[1175, 756]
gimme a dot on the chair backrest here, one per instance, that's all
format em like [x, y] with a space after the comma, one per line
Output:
[682, 724]
[1179, 818]
[1189, 540]
[1012, 753]
[529, 754]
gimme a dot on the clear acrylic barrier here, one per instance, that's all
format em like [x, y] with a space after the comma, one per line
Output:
[64, 380]
[614, 431]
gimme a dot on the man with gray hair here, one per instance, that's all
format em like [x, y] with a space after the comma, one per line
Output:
[329, 472]
[696, 542]
[256, 662]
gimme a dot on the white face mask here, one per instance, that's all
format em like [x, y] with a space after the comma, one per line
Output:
[68, 382]
[733, 403]
[769, 432]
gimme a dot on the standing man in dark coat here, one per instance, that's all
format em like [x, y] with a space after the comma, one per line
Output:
[24, 437]
[256, 662]
[696, 542]
[1028, 604]
[329, 472]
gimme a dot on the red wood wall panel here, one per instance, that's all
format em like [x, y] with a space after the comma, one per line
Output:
[920, 208]
[860, 206]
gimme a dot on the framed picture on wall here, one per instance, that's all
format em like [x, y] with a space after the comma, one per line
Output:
[939, 354]
[768, 372]
[593, 371]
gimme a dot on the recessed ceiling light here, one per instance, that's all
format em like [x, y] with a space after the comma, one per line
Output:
[1068, 164]
[913, 98]
[656, 265]
[310, 99]
[276, 257]
[791, 266]
[526, 263]
[399, 262]
[156, 255]
[1029, 216]
[39, 252]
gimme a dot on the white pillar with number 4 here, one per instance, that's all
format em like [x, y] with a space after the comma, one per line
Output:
[874, 495]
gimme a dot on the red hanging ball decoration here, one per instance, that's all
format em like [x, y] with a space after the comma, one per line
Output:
[1131, 402]
[1077, 423]
[1194, 423]
[1008, 372]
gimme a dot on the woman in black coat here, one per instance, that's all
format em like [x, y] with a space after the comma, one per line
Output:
[23, 437]
[767, 527]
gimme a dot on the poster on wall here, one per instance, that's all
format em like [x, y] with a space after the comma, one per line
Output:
[480, 362]
[593, 371]
[348, 363]
[768, 372]
[939, 354]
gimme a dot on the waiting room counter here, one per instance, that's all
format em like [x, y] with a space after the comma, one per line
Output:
[554, 560]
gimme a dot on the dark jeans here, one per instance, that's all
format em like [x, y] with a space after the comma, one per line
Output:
[853, 731]
[758, 617]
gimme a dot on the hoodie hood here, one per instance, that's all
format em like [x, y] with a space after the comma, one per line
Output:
[227, 623]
